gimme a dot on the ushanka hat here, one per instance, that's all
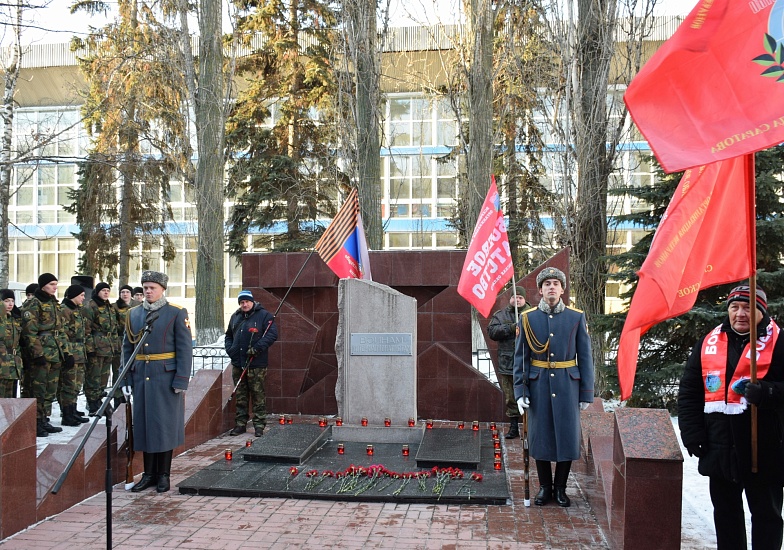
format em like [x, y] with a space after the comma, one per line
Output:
[550, 273]
[741, 294]
[155, 277]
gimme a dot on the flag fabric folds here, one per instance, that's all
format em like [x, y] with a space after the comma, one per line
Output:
[343, 246]
[703, 240]
[715, 89]
[488, 263]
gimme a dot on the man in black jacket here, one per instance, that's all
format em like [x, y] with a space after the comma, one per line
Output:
[251, 332]
[714, 416]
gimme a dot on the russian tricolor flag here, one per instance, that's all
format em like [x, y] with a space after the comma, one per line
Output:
[343, 246]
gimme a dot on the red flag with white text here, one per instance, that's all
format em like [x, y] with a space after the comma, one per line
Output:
[715, 89]
[488, 263]
[702, 241]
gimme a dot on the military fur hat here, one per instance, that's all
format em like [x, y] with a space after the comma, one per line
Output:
[550, 273]
[155, 277]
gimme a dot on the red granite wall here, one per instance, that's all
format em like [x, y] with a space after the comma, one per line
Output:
[303, 366]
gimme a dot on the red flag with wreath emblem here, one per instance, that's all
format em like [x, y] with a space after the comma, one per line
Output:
[715, 90]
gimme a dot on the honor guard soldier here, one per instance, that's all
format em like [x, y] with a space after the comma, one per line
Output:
[157, 379]
[553, 381]
[43, 328]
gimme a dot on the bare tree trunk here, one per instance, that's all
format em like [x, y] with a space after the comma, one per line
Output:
[210, 129]
[6, 166]
[362, 31]
[480, 17]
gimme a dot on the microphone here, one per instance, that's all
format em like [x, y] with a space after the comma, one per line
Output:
[151, 318]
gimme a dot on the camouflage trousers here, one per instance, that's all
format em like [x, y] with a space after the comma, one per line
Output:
[26, 381]
[250, 392]
[71, 381]
[43, 383]
[96, 376]
[507, 386]
[7, 388]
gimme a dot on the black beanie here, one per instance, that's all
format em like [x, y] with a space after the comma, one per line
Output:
[99, 287]
[44, 279]
[126, 287]
[6, 293]
[137, 290]
[31, 288]
[73, 291]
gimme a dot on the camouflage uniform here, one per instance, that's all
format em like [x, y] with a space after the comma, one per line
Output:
[71, 380]
[25, 382]
[101, 347]
[43, 327]
[10, 361]
[121, 309]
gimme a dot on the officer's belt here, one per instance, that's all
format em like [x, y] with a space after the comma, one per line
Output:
[49, 332]
[553, 364]
[155, 356]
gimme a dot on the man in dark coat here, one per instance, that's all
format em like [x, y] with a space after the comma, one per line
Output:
[157, 379]
[714, 417]
[250, 333]
[553, 381]
[503, 329]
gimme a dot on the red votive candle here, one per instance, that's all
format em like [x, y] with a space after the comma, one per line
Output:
[338, 421]
[411, 422]
[370, 450]
[492, 425]
[387, 422]
[289, 420]
[405, 450]
[496, 463]
[341, 449]
[429, 424]
[228, 454]
[322, 422]
[495, 434]
[496, 444]
[475, 425]
[282, 419]
[363, 421]
[248, 442]
[496, 453]
[461, 425]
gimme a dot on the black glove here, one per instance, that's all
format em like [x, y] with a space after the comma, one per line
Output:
[696, 449]
[755, 393]
[39, 361]
[68, 362]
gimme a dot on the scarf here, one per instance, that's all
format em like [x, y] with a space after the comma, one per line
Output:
[155, 306]
[545, 307]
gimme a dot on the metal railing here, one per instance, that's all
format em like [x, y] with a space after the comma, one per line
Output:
[209, 357]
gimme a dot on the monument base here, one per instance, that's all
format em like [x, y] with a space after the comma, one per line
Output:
[302, 461]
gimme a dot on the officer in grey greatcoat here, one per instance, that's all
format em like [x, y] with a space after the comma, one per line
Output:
[157, 379]
[553, 381]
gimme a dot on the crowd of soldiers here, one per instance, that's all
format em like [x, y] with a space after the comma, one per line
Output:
[54, 350]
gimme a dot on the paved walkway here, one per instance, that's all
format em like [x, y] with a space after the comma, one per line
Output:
[172, 520]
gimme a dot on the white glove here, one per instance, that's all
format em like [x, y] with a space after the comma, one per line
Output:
[523, 404]
[177, 390]
[584, 406]
[127, 392]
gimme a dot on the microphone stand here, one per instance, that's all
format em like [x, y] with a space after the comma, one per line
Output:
[106, 409]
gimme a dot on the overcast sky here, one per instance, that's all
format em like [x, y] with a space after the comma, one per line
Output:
[54, 23]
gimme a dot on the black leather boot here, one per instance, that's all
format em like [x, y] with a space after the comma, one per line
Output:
[561, 476]
[164, 470]
[69, 416]
[561, 498]
[545, 473]
[51, 429]
[93, 406]
[514, 428]
[149, 477]
[39, 429]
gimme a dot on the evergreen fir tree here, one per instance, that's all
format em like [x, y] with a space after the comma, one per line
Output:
[666, 346]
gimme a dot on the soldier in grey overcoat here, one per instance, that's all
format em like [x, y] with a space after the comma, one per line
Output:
[157, 379]
[553, 381]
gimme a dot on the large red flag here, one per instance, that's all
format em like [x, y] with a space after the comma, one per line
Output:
[488, 263]
[703, 240]
[715, 89]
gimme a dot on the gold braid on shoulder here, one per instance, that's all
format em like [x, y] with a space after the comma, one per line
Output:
[133, 338]
[535, 345]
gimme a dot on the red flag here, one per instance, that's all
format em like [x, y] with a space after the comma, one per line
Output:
[488, 263]
[343, 246]
[703, 240]
[715, 89]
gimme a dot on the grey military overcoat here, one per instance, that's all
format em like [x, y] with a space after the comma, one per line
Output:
[554, 393]
[159, 412]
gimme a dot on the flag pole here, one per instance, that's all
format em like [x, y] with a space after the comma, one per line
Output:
[752, 225]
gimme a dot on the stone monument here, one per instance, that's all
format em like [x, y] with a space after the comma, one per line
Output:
[376, 348]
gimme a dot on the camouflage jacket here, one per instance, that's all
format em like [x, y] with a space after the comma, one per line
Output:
[76, 329]
[10, 349]
[101, 317]
[43, 327]
[121, 309]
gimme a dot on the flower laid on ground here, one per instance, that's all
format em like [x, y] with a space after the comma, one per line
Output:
[293, 472]
[443, 477]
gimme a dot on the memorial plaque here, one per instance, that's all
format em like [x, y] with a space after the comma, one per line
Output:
[381, 343]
